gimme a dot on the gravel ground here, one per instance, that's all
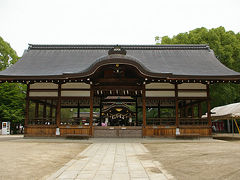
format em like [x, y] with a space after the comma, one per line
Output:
[198, 160]
[31, 159]
[203, 159]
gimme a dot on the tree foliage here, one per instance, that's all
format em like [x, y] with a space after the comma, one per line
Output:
[7, 55]
[12, 95]
[12, 102]
[226, 46]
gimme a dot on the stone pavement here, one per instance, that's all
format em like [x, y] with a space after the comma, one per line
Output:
[112, 161]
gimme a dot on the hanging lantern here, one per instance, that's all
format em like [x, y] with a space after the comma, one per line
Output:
[118, 109]
[130, 119]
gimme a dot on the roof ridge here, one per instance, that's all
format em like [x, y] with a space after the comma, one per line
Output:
[127, 47]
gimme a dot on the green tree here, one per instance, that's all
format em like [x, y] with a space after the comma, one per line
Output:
[7, 55]
[12, 102]
[226, 46]
[12, 95]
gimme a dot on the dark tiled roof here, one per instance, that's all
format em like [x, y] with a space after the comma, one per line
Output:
[153, 60]
[127, 47]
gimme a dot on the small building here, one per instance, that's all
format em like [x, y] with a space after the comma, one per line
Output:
[222, 115]
[165, 86]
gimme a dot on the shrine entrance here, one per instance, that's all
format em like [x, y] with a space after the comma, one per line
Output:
[119, 88]
[118, 114]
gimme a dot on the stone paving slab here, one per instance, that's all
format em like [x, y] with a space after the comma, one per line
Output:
[111, 161]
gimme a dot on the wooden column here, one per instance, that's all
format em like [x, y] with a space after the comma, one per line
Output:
[208, 107]
[51, 112]
[91, 111]
[136, 111]
[144, 110]
[27, 107]
[100, 117]
[36, 110]
[176, 105]
[78, 111]
[228, 126]
[58, 110]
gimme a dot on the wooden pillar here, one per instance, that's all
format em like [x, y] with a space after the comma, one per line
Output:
[228, 126]
[27, 106]
[100, 118]
[58, 110]
[176, 105]
[208, 107]
[136, 111]
[78, 112]
[91, 111]
[36, 110]
[144, 110]
[51, 112]
[56, 113]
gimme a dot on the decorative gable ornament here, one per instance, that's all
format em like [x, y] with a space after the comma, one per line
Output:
[117, 50]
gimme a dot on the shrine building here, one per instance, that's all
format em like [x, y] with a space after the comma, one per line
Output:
[118, 91]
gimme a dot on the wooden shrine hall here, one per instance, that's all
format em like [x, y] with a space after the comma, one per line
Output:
[126, 91]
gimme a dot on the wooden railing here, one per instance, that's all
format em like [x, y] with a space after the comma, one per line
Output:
[182, 121]
[75, 121]
[161, 121]
[193, 121]
[42, 121]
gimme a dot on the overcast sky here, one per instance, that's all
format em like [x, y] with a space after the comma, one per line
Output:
[109, 21]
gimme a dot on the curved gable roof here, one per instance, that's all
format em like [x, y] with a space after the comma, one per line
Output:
[153, 60]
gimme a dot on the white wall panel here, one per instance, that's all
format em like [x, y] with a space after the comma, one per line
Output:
[192, 94]
[160, 93]
[76, 86]
[43, 94]
[43, 86]
[191, 86]
[160, 86]
[75, 93]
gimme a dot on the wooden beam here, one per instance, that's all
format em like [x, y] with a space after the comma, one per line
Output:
[118, 100]
[58, 110]
[91, 111]
[121, 80]
[78, 112]
[117, 87]
[27, 107]
[176, 105]
[208, 107]
[144, 110]
[136, 107]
